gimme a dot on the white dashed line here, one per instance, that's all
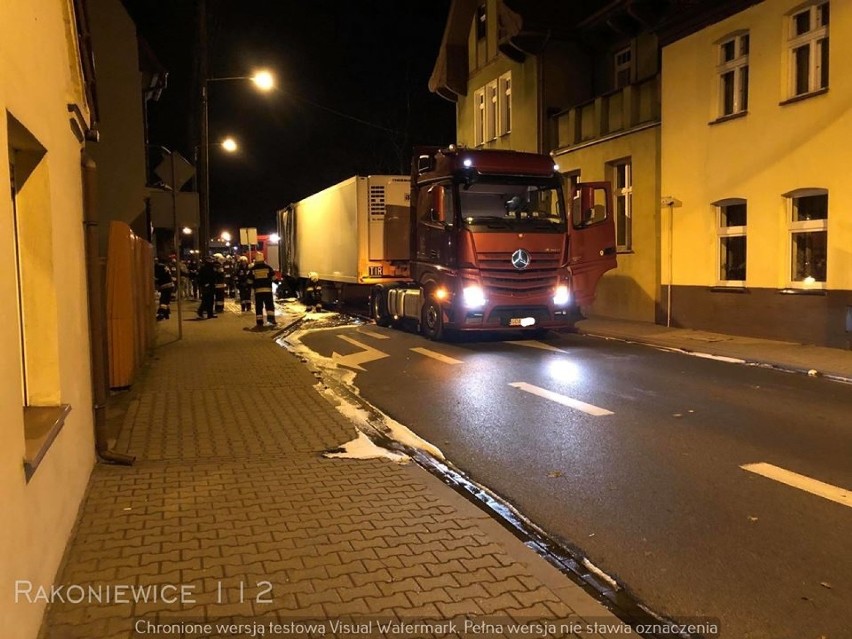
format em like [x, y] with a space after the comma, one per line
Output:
[802, 482]
[373, 334]
[597, 411]
[531, 343]
[438, 356]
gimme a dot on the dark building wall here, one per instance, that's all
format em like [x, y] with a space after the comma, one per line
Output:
[120, 153]
[823, 318]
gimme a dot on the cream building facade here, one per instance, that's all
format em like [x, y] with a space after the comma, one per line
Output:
[756, 123]
[46, 436]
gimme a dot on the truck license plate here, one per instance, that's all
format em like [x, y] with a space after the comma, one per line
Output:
[521, 321]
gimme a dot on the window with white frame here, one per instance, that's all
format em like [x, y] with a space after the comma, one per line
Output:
[623, 65]
[504, 105]
[479, 117]
[808, 226]
[733, 75]
[623, 192]
[491, 110]
[731, 231]
[808, 47]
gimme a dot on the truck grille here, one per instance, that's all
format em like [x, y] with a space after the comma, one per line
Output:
[499, 276]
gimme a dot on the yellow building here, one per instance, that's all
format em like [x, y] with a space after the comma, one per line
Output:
[506, 70]
[615, 137]
[46, 436]
[757, 115]
[557, 77]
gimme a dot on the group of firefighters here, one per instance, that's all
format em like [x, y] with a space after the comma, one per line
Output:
[216, 277]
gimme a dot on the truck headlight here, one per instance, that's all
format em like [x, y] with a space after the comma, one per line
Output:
[562, 296]
[473, 296]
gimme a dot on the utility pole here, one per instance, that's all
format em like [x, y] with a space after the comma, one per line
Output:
[203, 156]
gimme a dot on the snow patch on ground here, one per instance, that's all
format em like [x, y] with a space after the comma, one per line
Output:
[362, 447]
[350, 404]
[600, 573]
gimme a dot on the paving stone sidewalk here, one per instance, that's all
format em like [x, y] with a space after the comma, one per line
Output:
[231, 514]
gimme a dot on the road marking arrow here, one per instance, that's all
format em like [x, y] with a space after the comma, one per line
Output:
[802, 482]
[354, 360]
[438, 356]
[562, 399]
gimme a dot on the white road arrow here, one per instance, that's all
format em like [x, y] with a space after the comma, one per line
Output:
[354, 360]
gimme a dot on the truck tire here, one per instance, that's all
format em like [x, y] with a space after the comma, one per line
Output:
[432, 319]
[379, 308]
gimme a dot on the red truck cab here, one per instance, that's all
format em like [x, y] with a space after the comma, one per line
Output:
[495, 245]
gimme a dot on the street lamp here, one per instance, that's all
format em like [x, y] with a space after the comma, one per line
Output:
[265, 82]
[229, 144]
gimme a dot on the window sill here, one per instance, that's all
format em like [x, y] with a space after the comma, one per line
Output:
[41, 426]
[728, 118]
[803, 291]
[624, 251]
[804, 96]
[721, 288]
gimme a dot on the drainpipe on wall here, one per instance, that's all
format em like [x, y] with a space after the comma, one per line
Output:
[97, 316]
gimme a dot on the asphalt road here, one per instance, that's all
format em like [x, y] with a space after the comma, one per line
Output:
[645, 476]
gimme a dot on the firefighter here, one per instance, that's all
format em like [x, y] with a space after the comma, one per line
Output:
[242, 276]
[166, 286]
[219, 265]
[193, 277]
[260, 279]
[207, 287]
[229, 268]
[313, 294]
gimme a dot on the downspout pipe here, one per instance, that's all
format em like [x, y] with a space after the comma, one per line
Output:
[97, 316]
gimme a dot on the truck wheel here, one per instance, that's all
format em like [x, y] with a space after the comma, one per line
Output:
[379, 308]
[432, 320]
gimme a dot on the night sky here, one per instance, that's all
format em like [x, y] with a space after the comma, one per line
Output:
[336, 62]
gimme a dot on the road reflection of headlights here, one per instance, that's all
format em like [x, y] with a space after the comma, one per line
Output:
[562, 296]
[564, 370]
[474, 297]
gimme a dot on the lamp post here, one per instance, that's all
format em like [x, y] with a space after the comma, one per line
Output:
[264, 81]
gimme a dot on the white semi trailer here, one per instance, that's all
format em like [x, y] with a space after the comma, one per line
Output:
[339, 235]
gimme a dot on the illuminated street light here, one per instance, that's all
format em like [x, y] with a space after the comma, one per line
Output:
[264, 80]
[229, 144]
[186, 230]
[226, 236]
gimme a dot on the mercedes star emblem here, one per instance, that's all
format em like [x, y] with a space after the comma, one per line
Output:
[520, 259]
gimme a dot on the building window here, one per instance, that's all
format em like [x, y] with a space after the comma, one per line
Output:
[808, 226]
[623, 63]
[731, 230]
[491, 111]
[481, 22]
[623, 192]
[504, 106]
[733, 75]
[808, 46]
[480, 38]
[479, 117]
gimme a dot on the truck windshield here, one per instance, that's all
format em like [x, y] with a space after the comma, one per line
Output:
[513, 206]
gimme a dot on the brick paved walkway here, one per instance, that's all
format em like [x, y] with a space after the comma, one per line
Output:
[235, 505]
